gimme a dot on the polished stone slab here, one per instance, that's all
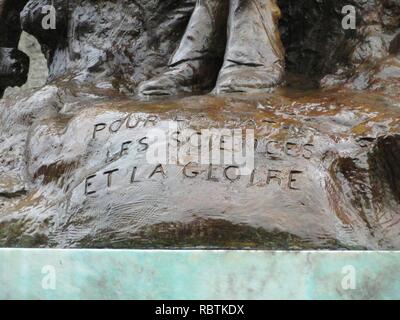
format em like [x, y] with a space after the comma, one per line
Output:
[137, 274]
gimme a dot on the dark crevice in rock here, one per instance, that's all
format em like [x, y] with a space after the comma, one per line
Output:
[54, 172]
[368, 188]
[11, 195]
[384, 163]
[313, 36]
[395, 45]
[14, 68]
[350, 193]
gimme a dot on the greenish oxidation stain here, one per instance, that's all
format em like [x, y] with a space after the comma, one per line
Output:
[154, 274]
[217, 234]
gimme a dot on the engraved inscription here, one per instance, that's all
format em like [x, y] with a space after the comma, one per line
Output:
[131, 121]
[285, 179]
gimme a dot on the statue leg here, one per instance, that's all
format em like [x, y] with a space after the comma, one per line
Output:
[254, 58]
[14, 64]
[194, 65]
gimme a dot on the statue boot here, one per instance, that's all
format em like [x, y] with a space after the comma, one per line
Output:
[254, 58]
[195, 64]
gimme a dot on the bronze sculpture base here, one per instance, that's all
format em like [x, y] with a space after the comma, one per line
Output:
[325, 172]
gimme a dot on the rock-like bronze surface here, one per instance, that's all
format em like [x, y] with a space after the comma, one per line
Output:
[77, 162]
[75, 172]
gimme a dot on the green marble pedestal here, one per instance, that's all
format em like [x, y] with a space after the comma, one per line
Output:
[136, 274]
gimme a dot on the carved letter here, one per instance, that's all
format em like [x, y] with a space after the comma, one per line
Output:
[158, 169]
[175, 138]
[128, 122]
[109, 176]
[88, 184]
[292, 179]
[144, 144]
[97, 128]
[151, 119]
[118, 123]
[210, 174]
[194, 173]
[273, 174]
[268, 143]
[133, 175]
[252, 176]
[223, 142]
[307, 152]
[255, 144]
[124, 148]
[237, 177]
[289, 146]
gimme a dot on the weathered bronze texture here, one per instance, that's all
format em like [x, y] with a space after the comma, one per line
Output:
[317, 105]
